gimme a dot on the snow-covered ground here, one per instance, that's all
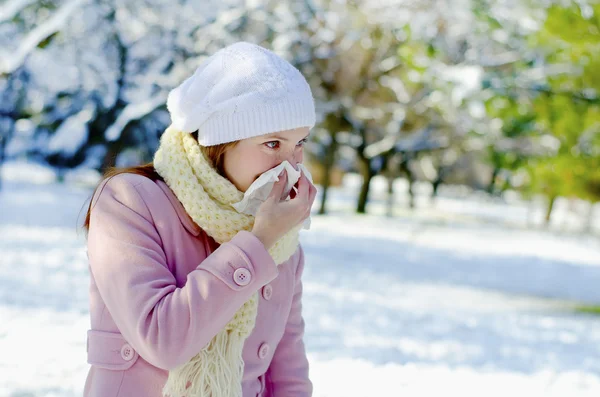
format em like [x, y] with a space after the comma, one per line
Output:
[456, 298]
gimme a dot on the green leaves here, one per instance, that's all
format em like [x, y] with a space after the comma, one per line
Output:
[561, 106]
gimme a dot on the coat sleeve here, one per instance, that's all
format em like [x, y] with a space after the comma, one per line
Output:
[167, 325]
[288, 372]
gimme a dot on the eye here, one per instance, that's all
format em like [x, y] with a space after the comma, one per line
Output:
[272, 144]
[302, 142]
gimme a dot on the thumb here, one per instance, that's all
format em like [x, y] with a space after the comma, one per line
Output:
[279, 186]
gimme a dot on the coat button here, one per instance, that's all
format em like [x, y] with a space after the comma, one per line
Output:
[267, 292]
[263, 351]
[126, 352]
[242, 276]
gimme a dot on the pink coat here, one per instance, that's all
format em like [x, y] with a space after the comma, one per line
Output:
[161, 288]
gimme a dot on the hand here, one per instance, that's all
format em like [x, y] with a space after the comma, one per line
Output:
[277, 216]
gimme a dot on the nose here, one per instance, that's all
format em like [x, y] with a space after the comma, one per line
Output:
[294, 158]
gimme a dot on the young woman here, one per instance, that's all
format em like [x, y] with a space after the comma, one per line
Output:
[188, 297]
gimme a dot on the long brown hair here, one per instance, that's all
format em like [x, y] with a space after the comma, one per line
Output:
[215, 155]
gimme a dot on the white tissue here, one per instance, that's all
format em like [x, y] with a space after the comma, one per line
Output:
[260, 189]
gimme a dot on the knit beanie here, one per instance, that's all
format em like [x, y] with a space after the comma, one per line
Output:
[241, 91]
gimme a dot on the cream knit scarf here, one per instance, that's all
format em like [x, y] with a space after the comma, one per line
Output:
[216, 371]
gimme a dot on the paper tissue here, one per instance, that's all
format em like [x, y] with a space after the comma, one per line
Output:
[260, 189]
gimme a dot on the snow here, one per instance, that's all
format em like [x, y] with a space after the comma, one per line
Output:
[25, 171]
[40, 33]
[133, 112]
[460, 296]
[71, 134]
[12, 8]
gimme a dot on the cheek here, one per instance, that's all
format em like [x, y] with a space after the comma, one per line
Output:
[263, 163]
[256, 161]
[255, 164]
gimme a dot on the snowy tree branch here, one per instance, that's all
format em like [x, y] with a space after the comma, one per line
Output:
[12, 8]
[133, 112]
[12, 62]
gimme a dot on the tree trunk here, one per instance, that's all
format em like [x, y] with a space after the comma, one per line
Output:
[2, 151]
[411, 191]
[390, 197]
[411, 179]
[60, 174]
[439, 179]
[367, 174]
[492, 186]
[435, 185]
[3, 144]
[549, 210]
[328, 164]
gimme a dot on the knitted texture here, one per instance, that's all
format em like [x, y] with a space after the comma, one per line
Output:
[216, 371]
[241, 91]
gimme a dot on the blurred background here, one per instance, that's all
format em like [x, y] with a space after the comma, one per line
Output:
[455, 242]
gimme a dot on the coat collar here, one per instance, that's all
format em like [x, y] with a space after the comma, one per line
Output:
[184, 217]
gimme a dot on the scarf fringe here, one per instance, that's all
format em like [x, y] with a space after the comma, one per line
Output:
[217, 370]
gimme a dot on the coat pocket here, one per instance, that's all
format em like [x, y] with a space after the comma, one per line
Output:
[109, 350]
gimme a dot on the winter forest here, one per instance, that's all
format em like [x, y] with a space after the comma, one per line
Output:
[455, 239]
[492, 95]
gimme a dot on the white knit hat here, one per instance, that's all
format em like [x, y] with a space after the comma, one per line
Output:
[241, 91]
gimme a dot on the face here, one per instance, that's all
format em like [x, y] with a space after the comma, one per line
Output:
[251, 157]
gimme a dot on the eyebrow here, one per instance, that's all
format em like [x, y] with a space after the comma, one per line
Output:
[282, 138]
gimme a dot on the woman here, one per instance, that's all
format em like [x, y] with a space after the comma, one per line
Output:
[188, 297]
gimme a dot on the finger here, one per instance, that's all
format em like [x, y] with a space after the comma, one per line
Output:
[285, 193]
[279, 186]
[313, 193]
[303, 186]
[303, 197]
